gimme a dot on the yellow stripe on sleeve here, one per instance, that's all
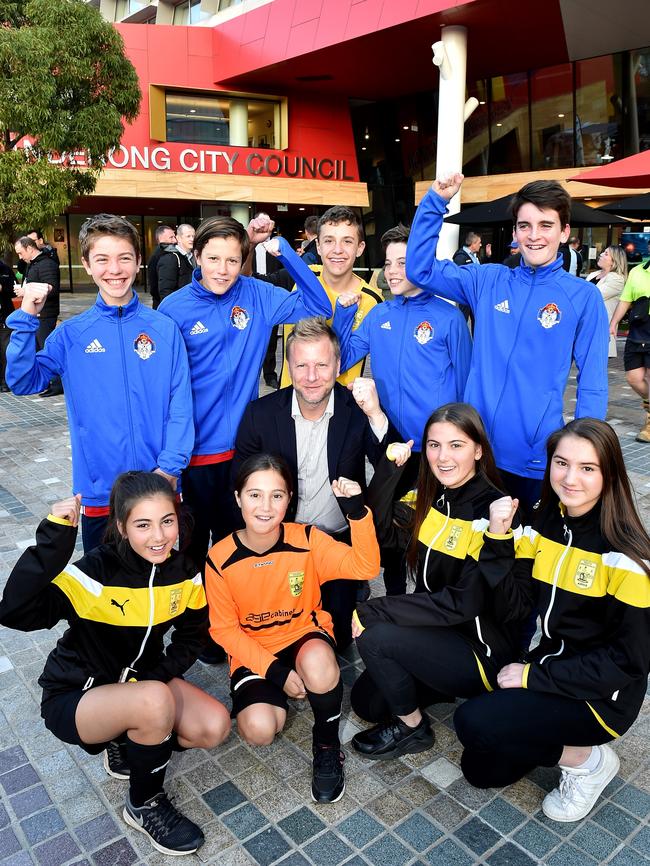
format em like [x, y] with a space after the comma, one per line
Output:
[62, 521]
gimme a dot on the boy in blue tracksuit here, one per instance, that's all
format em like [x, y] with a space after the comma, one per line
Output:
[531, 323]
[420, 345]
[124, 370]
[226, 319]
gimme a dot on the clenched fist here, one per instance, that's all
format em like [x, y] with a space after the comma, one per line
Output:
[34, 297]
[502, 512]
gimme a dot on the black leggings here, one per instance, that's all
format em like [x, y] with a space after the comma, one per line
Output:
[509, 732]
[370, 704]
[397, 657]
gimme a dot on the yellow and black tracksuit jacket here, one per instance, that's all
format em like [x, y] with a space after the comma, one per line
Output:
[261, 603]
[369, 299]
[118, 606]
[594, 605]
[459, 581]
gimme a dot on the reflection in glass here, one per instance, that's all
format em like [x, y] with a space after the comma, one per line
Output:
[195, 118]
[476, 147]
[552, 117]
[509, 124]
[638, 114]
[598, 110]
[198, 118]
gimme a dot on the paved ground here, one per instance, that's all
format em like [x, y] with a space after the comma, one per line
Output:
[57, 805]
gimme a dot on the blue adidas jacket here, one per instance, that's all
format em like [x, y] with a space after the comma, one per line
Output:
[226, 338]
[421, 351]
[530, 325]
[127, 390]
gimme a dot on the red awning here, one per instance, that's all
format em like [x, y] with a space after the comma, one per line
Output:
[633, 172]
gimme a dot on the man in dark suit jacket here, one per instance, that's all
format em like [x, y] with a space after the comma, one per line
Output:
[165, 236]
[39, 266]
[176, 265]
[324, 432]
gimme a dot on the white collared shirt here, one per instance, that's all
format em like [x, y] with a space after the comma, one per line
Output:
[316, 502]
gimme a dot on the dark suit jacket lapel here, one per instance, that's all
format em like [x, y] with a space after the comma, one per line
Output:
[286, 431]
[337, 430]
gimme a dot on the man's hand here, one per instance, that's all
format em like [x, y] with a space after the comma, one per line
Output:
[294, 687]
[344, 488]
[260, 228]
[172, 479]
[351, 298]
[399, 452]
[613, 328]
[18, 290]
[511, 676]
[488, 250]
[364, 392]
[502, 512]
[34, 297]
[448, 186]
[68, 509]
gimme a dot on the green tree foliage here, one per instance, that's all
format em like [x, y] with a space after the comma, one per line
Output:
[65, 86]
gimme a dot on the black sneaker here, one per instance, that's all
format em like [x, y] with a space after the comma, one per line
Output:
[115, 762]
[168, 830]
[328, 778]
[393, 739]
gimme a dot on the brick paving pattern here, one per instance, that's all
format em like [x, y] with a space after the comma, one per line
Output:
[57, 805]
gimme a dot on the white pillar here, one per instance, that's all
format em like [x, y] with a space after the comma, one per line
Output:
[238, 127]
[238, 123]
[450, 55]
[240, 212]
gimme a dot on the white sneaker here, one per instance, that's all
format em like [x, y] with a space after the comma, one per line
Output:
[579, 789]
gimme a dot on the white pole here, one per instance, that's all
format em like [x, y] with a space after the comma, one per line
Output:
[450, 55]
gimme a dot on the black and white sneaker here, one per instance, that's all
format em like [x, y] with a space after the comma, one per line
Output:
[328, 778]
[115, 762]
[169, 831]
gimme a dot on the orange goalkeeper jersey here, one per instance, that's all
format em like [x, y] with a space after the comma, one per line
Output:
[261, 603]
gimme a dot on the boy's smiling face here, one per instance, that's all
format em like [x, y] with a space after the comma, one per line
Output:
[339, 245]
[539, 234]
[113, 264]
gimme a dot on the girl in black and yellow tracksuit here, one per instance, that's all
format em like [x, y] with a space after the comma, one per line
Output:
[463, 621]
[110, 683]
[586, 558]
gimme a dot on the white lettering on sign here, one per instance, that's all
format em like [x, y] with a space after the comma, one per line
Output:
[208, 161]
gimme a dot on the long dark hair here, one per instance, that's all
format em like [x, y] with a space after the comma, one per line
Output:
[259, 463]
[467, 419]
[129, 488]
[620, 523]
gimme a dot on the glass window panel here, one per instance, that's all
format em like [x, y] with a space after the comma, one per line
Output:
[196, 13]
[195, 118]
[476, 144]
[552, 117]
[198, 118]
[638, 137]
[262, 123]
[598, 110]
[181, 13]
[509, 124]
